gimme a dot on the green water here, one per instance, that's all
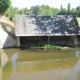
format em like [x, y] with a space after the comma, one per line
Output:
[19, 64]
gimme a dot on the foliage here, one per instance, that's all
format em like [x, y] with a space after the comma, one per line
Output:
[26, 10]
[69, 7]
[78, 8]
[63, 11]
[39, 45]
[30, 44]
[36, 10]
[73, 11]
[78, 11]
[4, 5]
[47, 10]
[11, 12]
[43, 10]
[55, 11]
[49, 46]
[60, 10]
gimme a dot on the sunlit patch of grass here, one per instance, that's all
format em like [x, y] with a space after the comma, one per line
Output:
[78, 19]
[7, 21]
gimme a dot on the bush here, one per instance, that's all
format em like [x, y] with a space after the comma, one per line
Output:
[45, 46]
[49, 46]
[57, 47]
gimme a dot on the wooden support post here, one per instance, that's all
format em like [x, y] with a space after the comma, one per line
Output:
[18, 41]
[75, 41]
[48, 39]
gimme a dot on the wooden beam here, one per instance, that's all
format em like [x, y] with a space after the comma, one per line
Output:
[18, 41]
[48, 39]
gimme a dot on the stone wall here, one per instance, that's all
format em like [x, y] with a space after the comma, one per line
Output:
[9, 29]
[6, 40]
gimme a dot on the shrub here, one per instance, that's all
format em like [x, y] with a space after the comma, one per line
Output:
[49, 46]
[45, 46]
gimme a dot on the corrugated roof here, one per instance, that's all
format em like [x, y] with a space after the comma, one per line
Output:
[46, 25]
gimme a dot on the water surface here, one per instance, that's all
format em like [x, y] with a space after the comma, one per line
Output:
[19, 64]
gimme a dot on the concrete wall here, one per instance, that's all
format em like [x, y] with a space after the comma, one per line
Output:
[6, 40]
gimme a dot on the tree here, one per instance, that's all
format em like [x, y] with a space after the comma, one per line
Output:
[36, 10]
[73, 11]
[21, 11]
[47, 10]
[63, 11]
[60, 10]
[8, 13]
[4, 6]
[11, 12]
[55, 11]
[78, 11]
[78, 8]
[69, 8]
[26, 10]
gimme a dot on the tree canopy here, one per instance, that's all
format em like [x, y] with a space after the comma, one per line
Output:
[41, 10]
[36, 10]
[4, 5]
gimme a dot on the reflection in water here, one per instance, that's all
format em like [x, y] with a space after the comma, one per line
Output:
[0, 57]
[7, 71]
[9, 68]
[0, 65]
[7, 65]
[4, 58]
[0, 73]
[29, 66]
[13, 58]
[78, 54]
[78, 76]
[78, 67]
[45, 74]
[66, 68]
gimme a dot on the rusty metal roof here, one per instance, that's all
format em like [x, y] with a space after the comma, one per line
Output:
[60, 25]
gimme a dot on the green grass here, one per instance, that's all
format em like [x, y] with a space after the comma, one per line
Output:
[78, 18]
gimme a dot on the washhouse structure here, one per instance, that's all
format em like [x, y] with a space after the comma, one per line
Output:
[58, 29]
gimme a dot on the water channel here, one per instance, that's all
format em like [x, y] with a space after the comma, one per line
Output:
[19, 64]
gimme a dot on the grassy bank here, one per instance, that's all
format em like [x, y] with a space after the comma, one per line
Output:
[78, 18]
